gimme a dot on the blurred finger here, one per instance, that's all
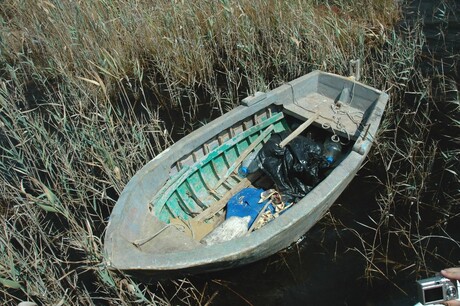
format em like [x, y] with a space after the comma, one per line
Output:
[452, 303]
[452, 273]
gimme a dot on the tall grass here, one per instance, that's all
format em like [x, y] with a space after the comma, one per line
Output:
[91, 90]
[172, 48]
[416, 159]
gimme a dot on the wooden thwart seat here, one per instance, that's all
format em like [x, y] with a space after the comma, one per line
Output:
[342, 118]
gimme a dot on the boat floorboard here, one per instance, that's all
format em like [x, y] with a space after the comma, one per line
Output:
[189, 232]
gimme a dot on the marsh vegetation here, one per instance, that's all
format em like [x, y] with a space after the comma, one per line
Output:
[92, 90]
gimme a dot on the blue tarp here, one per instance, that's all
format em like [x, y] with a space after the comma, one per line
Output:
[246, 203]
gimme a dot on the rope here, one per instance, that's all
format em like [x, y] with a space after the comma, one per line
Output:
[141, 242]
[336, 108]
[355, 117]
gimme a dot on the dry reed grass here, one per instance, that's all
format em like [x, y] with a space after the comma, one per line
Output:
[85, 92]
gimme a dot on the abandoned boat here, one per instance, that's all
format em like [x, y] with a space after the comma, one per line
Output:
[180, 196]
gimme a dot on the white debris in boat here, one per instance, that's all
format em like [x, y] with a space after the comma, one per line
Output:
[231, 228]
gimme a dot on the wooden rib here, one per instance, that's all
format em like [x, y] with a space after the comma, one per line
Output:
[217, 206]
[248, 150]
[214, 170]
[256, 119]
[196, 156]
[206, 148]
[191, 193]
[205, 183]
[224, 156]
[221, 137]
[183, 204]
[236, 177]
[172, 213]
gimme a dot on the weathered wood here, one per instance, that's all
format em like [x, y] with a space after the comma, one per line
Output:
[172, 252]
[298, 130]
[343, 118]
[246, 152]
[160, 199]
[217, 206]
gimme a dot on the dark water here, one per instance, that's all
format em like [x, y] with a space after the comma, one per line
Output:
[325, 268]
[319, 270]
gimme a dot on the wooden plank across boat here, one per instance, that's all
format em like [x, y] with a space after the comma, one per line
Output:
[179, 196]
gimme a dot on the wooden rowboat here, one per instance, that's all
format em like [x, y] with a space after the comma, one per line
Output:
[159, 219]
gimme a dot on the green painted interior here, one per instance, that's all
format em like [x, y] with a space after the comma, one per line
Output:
[180, 192]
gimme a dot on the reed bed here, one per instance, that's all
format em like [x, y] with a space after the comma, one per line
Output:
[91, 90]
[412, 233]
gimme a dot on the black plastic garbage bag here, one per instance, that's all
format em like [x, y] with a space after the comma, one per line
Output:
[295, 169]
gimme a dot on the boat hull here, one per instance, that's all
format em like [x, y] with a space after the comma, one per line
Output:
[134, 219]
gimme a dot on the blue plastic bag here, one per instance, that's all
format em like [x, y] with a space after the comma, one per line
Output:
[246, 203]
